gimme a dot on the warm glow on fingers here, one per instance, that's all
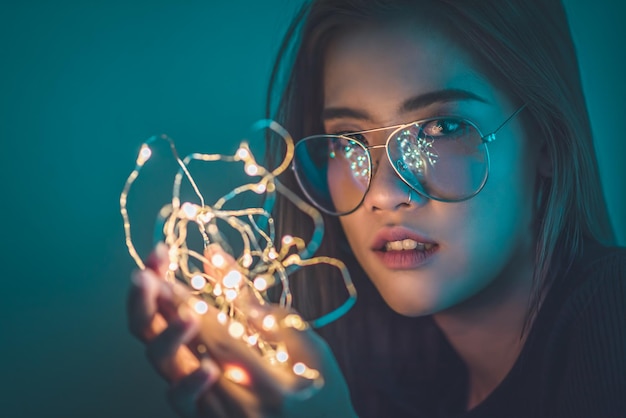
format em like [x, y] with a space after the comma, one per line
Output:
[236, 374]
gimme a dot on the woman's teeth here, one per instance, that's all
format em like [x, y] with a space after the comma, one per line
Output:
[408, 244]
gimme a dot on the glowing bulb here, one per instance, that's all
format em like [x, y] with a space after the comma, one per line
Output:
[299, 368]
[253, 339]
[236, 330]
[232, 279]
[217, 290]
[190, 210]
[201, 307]
[282, 356]
[243, 153]
[198, 282]
[205, 218]
[295, 321]
[260, 188]
[218, 260]
[230, 294]
[173, 266]
[287, 240]
[246, 261]
[144, 154]
[251, 169]
[222, 318]
[269, 322]
[236, 374]
[273, 255]
[260, 283]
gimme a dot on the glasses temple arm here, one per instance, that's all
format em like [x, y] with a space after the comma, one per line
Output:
[492, 136]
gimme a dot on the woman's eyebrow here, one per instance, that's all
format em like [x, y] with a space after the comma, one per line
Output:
[439, 96]
[409, 105]
[343, 112]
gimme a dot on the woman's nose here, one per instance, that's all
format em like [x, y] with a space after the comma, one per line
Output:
[388, 191]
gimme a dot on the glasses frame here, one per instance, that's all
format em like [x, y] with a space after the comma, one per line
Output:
[486, 139]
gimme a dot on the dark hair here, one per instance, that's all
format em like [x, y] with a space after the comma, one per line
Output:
[525, 46]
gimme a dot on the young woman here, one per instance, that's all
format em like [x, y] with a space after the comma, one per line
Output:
[449, 146]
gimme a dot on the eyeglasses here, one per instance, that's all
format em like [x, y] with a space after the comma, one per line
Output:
[443, 158]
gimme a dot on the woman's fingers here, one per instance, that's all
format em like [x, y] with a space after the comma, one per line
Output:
[167, 351]
[159, 317]
[191, 396]
[144, 321]
[158, 260]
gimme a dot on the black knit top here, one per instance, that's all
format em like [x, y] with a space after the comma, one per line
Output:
[573, 363]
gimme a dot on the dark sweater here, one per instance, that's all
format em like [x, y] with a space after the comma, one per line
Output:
[574, 361]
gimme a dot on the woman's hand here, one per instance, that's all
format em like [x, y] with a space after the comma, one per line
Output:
[230, 380]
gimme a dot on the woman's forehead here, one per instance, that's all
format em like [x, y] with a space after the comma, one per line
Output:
[384, 66]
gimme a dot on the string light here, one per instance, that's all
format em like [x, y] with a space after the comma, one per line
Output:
[215, 282]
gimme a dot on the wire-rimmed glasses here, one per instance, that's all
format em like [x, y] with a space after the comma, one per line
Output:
[443, 158]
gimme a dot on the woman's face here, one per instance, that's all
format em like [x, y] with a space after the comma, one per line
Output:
[382, 76]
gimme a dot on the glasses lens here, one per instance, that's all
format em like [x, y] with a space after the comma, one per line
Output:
[333, 172]
[445, 159]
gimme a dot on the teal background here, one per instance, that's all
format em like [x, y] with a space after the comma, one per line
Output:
[81, 86]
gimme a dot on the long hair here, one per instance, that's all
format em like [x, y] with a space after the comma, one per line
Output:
[525, 47]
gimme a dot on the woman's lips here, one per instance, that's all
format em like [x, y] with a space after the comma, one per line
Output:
[399, 248]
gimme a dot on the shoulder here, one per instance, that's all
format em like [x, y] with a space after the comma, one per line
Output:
[592, 328]
[597, 280]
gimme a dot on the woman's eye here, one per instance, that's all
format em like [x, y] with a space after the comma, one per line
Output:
[443, 127]
[357, 137]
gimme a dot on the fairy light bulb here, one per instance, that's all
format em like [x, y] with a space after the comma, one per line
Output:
[217, 290]
[201, 307]
[251, 169]
[190, 210]
[230, 294]
[144, 154]
[282, 356]
[222, 318]
[299, 368]
[218, 260]
[260, 284]
[243, 153]
[269, 322]
[198, 282]
[236, 374]
[260, 188]
[246, 260]
[236, 330]
[232, 279]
